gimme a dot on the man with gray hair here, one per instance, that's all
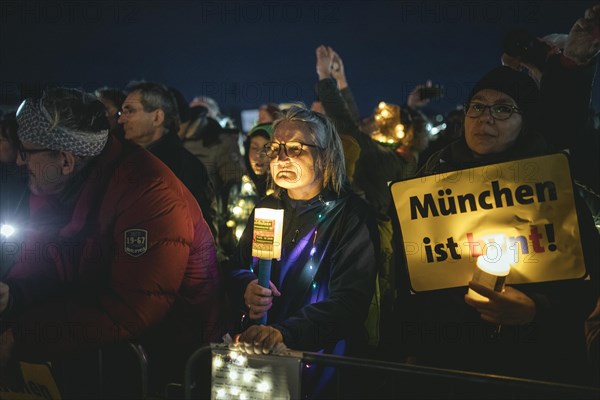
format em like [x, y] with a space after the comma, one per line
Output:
[115, 247]
[150, 118]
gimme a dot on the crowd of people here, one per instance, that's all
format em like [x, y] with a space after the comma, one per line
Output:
[128, 215]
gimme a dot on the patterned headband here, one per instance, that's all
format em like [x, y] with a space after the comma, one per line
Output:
[35, 126]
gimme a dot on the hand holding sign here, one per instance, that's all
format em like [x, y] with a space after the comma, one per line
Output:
[509, 307]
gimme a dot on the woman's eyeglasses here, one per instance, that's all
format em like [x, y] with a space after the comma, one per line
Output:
[291, 149]
[498, 111]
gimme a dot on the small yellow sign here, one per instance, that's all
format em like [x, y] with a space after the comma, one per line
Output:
[448, 220]
[38, 384]
[268, 230]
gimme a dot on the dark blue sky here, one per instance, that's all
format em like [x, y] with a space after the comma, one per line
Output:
[244, 53]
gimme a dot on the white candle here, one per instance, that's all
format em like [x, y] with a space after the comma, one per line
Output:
[491, 274]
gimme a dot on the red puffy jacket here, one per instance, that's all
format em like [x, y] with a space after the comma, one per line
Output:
[123, 254]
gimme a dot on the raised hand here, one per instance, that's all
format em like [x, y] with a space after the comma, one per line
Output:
[337, 70]
[583, 42]
[414, 100]
[324, 62]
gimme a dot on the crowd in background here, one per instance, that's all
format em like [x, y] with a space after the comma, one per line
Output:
[154, 195]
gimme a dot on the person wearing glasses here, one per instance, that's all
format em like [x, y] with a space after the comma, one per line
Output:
[115, 248]
[322, 286]
[502, 123]
[150, 118]
[253, 186]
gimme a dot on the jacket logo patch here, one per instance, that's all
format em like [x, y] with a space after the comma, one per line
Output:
[136, 242]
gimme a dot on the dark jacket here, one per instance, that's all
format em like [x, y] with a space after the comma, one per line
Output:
[440, 329]
[325, 292]
[123, 254]
[190, 170]
[377, 164]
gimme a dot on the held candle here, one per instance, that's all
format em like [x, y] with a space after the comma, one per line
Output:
[266, 243]
[491, 274]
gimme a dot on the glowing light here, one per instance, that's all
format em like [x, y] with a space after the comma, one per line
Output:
[313, 251]
[234, 355]
[238, 232]
[243, 396]
[492, 267]
[388, 122]
[230, 223]
[217, 362]
[263, 386]
[235, 390]
[233, 375]
[241, 360]
[7, 230]
[497, 267]
[220, 393]
[310, 267]
[314, 285]
[268, 223]
[237, 210]
[247, 187]
[247, 376]
[399, 129]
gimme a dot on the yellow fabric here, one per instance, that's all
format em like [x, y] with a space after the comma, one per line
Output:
[38, 384]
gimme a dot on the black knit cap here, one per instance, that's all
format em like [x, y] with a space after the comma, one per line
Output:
[517, 85]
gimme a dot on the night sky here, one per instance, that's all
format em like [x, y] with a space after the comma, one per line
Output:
[244, 53]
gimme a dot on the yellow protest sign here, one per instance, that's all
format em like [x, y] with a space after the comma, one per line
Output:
[448, 220]
[38, 384]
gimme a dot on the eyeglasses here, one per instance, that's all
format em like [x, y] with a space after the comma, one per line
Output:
[24, 153]
[126, 112]
[498, 111]
[291, 149]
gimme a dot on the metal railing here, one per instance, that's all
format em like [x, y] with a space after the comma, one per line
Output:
[367, 378]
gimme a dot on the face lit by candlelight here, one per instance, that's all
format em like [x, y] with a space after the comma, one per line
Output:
[297, 174]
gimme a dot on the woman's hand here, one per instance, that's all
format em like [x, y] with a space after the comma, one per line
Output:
[583, 42]
[259, 339]
[337, 70]
[324, 62]
[509, 307]
[259, 299]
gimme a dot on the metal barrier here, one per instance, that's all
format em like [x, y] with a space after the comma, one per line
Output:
[366, 378]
